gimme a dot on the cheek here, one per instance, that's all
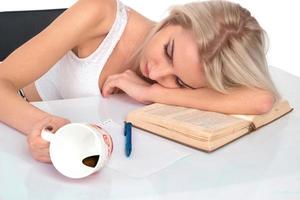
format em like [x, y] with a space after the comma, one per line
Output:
[147, 51]
[153, 49]
[168, 82]
[144, 54]
[203, 78]
[201, 81]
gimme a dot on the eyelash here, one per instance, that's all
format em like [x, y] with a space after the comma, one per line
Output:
[166, 51]
[179, 82]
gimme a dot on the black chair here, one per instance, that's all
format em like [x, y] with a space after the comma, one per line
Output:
[17, 27]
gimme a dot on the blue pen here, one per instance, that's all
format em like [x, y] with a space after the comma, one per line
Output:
[127, 133]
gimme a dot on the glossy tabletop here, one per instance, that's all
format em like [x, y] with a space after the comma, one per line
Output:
[262, 165]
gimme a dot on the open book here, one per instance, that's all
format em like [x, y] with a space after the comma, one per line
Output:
[200, 129]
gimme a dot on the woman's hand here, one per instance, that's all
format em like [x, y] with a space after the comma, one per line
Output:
[38, 147]
[130, 83]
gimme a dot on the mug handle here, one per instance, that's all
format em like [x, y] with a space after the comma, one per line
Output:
[47, 135]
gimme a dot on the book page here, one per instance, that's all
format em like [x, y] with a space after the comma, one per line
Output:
[204, 120]
[245, 117]
[279, 109]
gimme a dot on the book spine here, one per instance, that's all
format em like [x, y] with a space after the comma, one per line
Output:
[252, 127]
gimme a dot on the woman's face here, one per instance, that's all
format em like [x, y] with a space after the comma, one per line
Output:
[171, 59]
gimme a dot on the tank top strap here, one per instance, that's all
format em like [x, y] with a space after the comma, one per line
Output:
[105, 49]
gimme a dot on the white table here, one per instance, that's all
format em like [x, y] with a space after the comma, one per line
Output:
[262, 165]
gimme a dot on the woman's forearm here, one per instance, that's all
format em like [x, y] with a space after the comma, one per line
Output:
[16, 112]
[238, 101]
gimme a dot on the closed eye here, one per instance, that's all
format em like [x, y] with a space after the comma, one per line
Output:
[169, 52]
[179, 82]
[169, 49]
[182, 84]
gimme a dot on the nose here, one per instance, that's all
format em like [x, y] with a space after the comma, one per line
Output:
[159, 71]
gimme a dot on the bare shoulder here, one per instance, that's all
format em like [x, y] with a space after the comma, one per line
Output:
[98, 15]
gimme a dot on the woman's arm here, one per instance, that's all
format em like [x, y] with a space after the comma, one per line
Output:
[239, 100]
[85, 20]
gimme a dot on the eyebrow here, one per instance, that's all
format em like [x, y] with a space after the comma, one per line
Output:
[180, 80]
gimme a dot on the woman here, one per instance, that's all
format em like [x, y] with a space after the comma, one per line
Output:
[205, 55]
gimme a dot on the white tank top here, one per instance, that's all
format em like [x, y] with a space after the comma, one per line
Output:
[74, 77]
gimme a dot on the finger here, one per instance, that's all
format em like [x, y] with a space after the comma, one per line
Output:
[110, 86]
[40, 125]
[45, 159]
[113, 91]
[42, 158]
[50, 123]
[38, 145]
[41, 152]
[108, 91]
[117, 91]
[55, 123]
[38, 153]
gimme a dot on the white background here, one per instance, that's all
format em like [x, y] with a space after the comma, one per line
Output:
[279, 18]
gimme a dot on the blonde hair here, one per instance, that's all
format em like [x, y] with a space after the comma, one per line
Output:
[232, 44]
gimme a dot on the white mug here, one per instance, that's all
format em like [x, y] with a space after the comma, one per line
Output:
[78, 150]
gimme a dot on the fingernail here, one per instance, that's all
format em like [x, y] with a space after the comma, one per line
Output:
[49, 128]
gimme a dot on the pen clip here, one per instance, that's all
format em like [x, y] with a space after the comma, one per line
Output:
[127, 128]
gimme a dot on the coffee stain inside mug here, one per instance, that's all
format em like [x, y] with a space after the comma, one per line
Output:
[91, 161]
